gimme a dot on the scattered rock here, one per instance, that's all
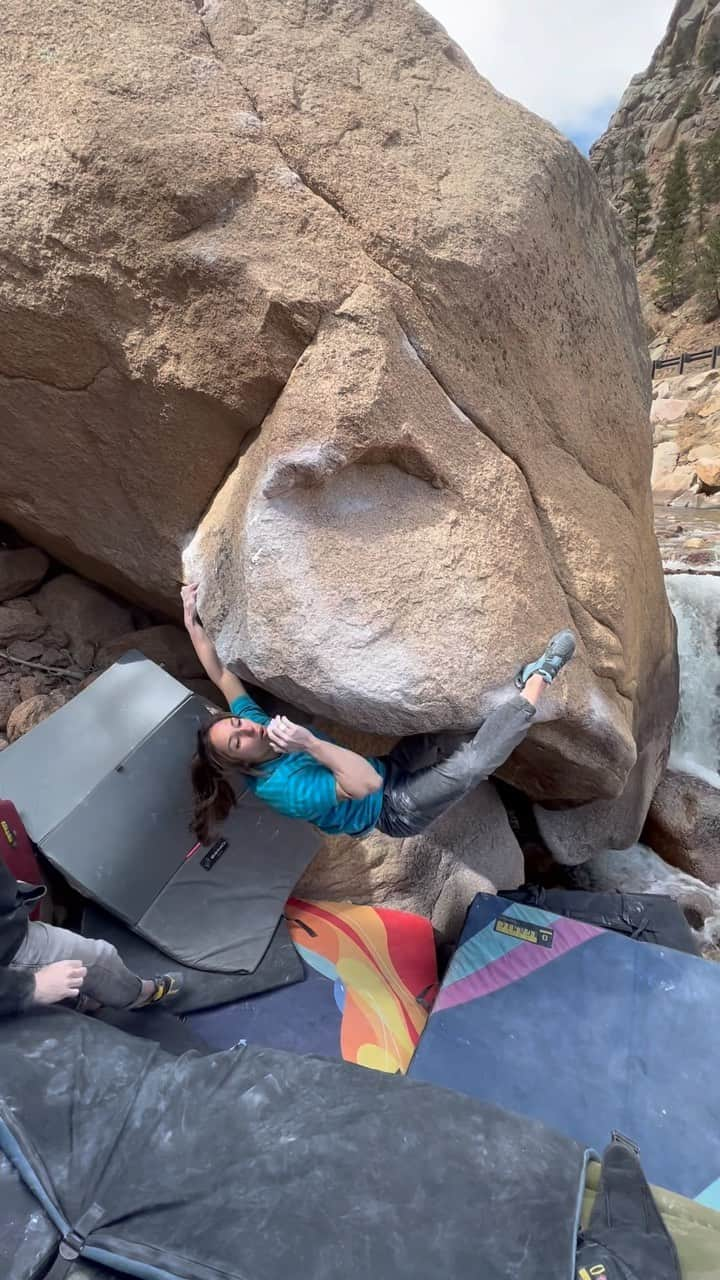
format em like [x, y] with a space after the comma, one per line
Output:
[699, 557]
[708, 471]
[57, 638]
[694, 544]
[8, 699]
[470, 850]
[56, 658]
[668, 409]
[21, 571]
[28, 714]
[3, 743]
[169, 646]
[19, 624]
[26, 650]
[82, 611]
[30, 687]
[683, 825]
[83, 655]
[670, 476]
[22, 602]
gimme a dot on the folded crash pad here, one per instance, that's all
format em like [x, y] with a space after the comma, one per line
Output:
[112, 815]
[694, 1228]
[585, 1030]
[647, 917]
[201, 989]
[370, 979]
[264, 1164]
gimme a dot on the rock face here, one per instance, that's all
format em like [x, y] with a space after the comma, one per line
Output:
[307, 248]
[686, 433]
[677, 99]
[683, 825]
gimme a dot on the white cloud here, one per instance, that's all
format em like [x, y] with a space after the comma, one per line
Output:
[568, 60]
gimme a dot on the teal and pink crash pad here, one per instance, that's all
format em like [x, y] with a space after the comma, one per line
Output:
[587, 1031]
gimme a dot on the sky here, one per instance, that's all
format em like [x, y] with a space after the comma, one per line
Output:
[568, 60]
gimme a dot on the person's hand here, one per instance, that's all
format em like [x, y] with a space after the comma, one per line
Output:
[284, 736]
[189, 595]
[59, 981]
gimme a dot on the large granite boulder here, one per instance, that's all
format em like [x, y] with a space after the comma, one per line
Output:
[683, 825]
[296, 274]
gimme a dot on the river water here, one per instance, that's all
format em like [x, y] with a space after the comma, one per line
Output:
[690, 547]
[689, 542]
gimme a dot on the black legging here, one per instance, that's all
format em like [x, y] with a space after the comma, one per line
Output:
[429, 772]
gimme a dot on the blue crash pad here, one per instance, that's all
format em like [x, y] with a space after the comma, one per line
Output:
[587, 1031]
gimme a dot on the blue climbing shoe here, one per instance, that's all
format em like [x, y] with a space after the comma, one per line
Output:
[558, 653]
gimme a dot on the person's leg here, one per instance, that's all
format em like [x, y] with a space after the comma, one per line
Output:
[413, 801]
[420, 750]
[108, 980]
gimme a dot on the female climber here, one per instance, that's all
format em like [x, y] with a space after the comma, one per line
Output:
[304, 775]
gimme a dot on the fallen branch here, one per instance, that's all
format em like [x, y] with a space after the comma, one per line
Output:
[65, 672]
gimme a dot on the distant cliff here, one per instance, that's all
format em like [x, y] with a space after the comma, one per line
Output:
[675, 101]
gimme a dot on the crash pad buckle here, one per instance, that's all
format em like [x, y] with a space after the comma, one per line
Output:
[75, 1238]
[71, 1246]
[621, 1140]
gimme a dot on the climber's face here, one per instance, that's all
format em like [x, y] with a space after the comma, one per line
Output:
[239, 741]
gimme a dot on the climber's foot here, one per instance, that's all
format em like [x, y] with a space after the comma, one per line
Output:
[559, 651]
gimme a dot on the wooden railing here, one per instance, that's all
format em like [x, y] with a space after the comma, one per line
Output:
[688, 357]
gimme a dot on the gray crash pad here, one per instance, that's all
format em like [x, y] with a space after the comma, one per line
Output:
[113, 817]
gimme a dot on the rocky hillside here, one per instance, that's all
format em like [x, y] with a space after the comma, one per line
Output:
[675, 101]
[686, 433]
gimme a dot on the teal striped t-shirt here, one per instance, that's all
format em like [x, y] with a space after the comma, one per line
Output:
[299, 787]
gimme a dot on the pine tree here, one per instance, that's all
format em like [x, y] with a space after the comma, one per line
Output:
[701, 182]
[672, 227]
[710, 56]
[638, 208]
[707, 177]
[708, 268]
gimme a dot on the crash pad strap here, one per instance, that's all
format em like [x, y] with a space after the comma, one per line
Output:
[73, 1242]
[626, 1238]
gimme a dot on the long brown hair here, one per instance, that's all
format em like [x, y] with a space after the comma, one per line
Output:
[213, 793]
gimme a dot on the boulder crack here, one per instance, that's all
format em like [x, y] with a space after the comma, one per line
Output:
[53, 386]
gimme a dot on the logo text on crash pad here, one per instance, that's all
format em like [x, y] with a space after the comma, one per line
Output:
[524, 932]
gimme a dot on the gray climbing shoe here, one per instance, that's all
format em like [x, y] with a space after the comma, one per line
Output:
[558, 653]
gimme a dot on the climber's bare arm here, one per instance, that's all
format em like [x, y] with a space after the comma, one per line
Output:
[229, 684]
[354, 776]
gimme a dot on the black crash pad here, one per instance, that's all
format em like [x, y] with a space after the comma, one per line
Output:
[280, 966]
[258, 1163]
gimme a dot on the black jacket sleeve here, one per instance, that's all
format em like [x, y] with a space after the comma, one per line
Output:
[17, 990]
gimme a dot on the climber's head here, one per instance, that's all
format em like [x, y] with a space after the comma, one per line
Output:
[224, 743]
[234, 740]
